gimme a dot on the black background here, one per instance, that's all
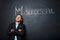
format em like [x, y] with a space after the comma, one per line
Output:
[38, 27]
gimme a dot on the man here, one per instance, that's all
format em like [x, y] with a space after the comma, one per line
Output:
[16, 30]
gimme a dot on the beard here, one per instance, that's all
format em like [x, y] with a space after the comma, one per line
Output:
[17, 21]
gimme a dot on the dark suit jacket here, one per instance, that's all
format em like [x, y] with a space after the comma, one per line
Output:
[20, 35]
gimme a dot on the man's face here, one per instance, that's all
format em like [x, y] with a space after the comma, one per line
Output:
[18, 18]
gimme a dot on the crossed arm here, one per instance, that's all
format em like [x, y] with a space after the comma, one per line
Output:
[13, 32]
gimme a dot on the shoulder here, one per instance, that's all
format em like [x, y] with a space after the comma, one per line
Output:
[22, 25]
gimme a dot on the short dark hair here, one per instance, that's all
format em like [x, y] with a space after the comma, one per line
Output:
[21, 17]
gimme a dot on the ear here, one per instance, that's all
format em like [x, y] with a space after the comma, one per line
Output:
[21, 19]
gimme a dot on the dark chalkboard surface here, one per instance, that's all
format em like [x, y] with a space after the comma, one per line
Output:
[39, 25]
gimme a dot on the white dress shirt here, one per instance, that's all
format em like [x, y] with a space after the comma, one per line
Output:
[15, 38]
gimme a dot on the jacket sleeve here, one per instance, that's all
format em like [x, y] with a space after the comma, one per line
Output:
[9, 30]
[23, 32]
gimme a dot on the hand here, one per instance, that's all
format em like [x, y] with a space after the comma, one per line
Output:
[19, 30]
[12, 30]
